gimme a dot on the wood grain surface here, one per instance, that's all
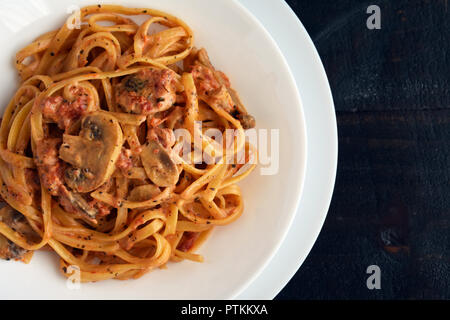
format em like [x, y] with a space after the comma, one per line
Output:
[391, 204]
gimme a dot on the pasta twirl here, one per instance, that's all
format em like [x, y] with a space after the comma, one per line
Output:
[91, 166]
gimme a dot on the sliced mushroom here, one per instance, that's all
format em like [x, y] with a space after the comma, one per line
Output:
[82, 205]
[9, 250]
[74, 203]
[158, 165]
[16, 221]
[144, 192]
[92, 154]
[247, 120]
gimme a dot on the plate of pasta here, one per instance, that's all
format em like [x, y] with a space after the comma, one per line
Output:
[148, 150]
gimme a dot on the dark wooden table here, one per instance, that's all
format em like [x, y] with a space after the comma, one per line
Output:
[391, 204]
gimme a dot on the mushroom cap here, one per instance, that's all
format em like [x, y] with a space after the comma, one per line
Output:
[16, 221]
[144, 192]
[93, 153]
[159, 165]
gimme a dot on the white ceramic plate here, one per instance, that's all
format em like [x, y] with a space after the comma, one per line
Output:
[293, 40]
[235, 254]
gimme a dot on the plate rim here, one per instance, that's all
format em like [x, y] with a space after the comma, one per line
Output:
[302, 168]
[304, 136]
[275, 276]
